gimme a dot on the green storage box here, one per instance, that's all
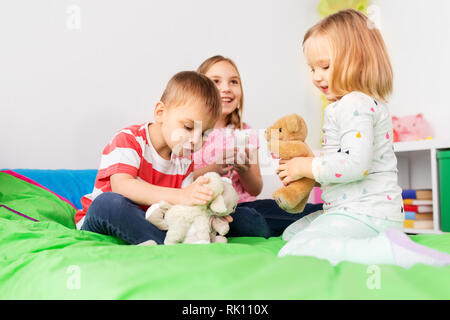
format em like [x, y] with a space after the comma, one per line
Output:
[444, 187]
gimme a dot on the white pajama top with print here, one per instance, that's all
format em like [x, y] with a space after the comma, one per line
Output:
[358, 167]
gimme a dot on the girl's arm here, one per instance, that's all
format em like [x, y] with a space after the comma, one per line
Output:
[251, 180]
[295, 168]
[355, 116]
[352, 161]
[201, 171]
[250, 173]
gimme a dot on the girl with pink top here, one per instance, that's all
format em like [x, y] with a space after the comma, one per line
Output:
[231, 149]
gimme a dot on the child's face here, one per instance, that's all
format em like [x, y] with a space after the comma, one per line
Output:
[227, 80]
[317, 53]
[183, 126]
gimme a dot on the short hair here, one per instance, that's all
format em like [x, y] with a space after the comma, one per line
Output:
[359, 58]
[190, 85]
[234, 118]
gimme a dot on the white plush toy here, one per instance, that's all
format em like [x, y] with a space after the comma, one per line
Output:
[201, 223]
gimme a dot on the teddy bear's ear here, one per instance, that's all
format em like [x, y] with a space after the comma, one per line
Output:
[218, 205]
[292, 124]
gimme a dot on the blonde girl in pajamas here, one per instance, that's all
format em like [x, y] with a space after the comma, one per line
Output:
[363, 216]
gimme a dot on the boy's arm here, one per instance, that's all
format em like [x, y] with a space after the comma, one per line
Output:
[201, 171]
[221, 169]
[145, 193]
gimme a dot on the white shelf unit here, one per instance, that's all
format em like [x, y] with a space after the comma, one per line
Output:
[418, 169]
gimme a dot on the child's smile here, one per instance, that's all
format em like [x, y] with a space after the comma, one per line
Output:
[227, 81]
[226, 99]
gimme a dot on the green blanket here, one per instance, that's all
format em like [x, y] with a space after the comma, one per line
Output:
[50, 259]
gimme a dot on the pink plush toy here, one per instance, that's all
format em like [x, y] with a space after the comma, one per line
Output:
[413, 127]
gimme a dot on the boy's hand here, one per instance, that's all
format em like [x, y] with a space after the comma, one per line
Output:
[295, 169]
[196, 193]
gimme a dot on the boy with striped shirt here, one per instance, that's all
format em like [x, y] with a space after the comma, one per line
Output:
[147, 163]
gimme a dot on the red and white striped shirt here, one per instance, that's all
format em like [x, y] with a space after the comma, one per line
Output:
[131, 151]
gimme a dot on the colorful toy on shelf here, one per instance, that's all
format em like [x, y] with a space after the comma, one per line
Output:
[411, 128]
[395, 136]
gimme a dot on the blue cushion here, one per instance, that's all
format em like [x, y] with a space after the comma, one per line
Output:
[70, 184]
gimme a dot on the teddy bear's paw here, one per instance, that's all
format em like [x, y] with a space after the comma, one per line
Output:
[300, 207]
[196, 240]
[200, 242]
[148, 243]
[290, 210]
[220, 239]
[287, 206]
[283, 203]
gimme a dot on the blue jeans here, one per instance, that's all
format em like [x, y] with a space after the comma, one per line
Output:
[115, 215]
[264, 218]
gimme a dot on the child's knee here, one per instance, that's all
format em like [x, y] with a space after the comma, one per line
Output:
[248, 215]
[249, 222]
[109, 199]
[106, 204]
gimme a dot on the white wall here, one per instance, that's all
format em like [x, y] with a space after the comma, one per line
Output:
[417, 34]
[65, 91]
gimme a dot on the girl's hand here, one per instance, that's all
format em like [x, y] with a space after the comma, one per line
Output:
[196, 193]
[240, 167]
[223, 169]
[295, 169]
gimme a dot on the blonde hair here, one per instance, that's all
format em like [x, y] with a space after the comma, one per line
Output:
[359, 59]
[190, 85]
[234, 118]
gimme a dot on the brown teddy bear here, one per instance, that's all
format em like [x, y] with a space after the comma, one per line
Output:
[286, 140]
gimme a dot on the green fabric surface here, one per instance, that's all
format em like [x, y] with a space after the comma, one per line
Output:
[40, 260]
[22, 196]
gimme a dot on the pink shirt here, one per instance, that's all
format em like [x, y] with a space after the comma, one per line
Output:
[218, 141]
